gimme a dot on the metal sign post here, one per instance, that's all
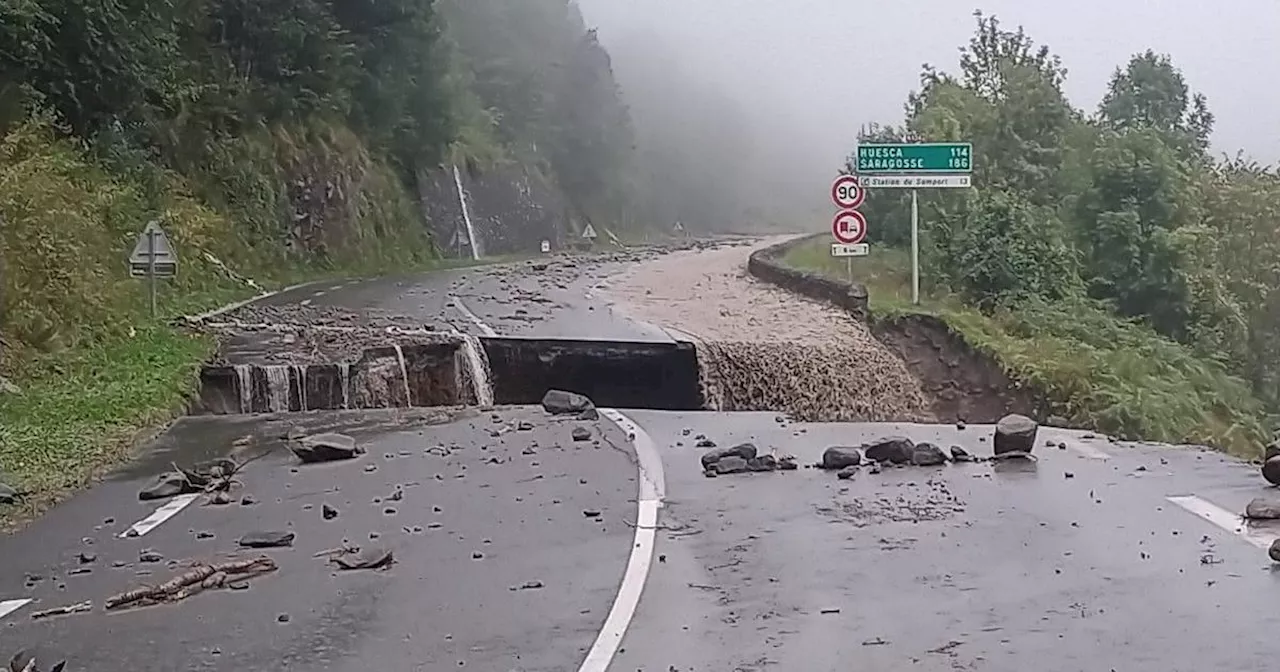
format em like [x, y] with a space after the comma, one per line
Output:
[919, 165]
[153, 258]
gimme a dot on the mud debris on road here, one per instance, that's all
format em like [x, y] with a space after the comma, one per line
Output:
[762, 348]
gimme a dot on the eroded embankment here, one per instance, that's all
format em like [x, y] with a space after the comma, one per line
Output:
[959, 382]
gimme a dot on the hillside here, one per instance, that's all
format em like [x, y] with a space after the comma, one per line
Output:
[274, 142]
[1104, 258]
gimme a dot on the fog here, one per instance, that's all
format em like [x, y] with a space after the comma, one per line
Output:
[783, 87]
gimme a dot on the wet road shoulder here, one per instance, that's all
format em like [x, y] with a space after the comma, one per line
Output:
[510, 537]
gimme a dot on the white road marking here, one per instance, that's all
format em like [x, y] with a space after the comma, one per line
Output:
[1231, 522]
[649, 501]
[462, 308]
[9, 606]
[240, 304]
[165, 512]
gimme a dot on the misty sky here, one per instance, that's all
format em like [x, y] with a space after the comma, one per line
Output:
[810, 72]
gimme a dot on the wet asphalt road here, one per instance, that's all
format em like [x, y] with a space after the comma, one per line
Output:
[1079, 561]
[552, 298]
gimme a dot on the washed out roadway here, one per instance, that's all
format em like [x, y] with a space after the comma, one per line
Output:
[1098, 556]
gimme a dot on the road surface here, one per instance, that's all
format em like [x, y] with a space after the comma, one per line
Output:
[518, 547]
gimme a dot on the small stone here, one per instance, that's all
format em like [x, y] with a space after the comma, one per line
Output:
[267, 539]
[705, 443]
[580, 434]
[591, 513]
[1274, 551]
[282, 618]
[477, 555]
[328, 512]
[589, 414]
[204, 534]
[788, 463]
[86, 557]
[560, 402]
[248, 500]
[839, 457]
[960, 454]
[847, 472]
[149, 556]
[524, 426]
[1015, 434]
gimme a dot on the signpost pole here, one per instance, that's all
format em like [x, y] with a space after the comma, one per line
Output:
[151, 269]
[915, 249]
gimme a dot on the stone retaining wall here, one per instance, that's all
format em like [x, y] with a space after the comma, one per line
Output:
[766, 264]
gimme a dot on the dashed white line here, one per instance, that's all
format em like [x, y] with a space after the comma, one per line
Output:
[165, 512]
[649, 501]
[462, 308]
[1231, 522]
[9, 606]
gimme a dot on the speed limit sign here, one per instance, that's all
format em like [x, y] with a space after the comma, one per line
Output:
[846, 193]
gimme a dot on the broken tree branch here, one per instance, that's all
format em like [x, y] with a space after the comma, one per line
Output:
[189, 583]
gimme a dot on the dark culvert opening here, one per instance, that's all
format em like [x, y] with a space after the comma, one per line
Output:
[662, 376]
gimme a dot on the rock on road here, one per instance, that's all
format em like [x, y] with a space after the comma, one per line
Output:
[513, 539]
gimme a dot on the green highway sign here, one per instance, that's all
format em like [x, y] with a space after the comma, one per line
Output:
[923, 157]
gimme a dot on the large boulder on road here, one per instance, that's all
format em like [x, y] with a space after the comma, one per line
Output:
[839, 457]
[1271, 470]
[559, 402]
[892, 449]
[1015, 434]
[746, 451]
[1263, 508]
[927, 455]
[327, 447]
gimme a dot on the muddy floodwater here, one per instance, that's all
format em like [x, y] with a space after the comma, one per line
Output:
[762, 348]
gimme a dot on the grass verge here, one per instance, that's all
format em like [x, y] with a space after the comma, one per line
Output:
[81, 411]
[1095, 369]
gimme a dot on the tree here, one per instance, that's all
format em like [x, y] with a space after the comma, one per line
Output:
[1151, 93]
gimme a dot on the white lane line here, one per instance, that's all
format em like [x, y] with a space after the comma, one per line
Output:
[9, 606]
[240, 304]
[1231, 522]
[652, 489]
[165, 512]
[462, 308]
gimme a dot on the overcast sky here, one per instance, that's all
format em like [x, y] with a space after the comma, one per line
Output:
[810, 72]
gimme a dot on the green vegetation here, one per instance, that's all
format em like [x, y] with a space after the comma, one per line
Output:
[274, 142]
[1106, 258]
